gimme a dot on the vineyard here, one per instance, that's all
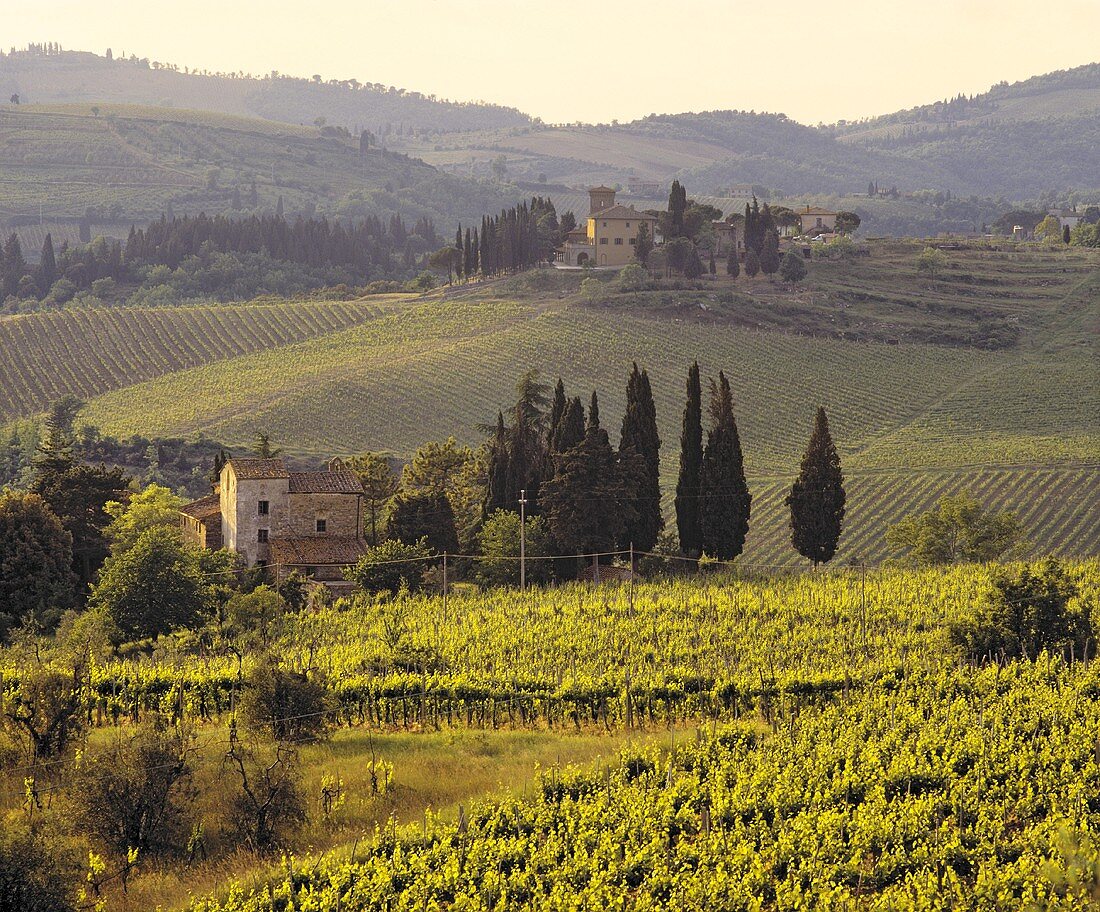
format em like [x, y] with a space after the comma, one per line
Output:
[944, 790]
[766, 714]
[87, 352]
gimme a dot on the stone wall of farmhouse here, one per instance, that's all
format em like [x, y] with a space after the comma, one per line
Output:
[342, 514]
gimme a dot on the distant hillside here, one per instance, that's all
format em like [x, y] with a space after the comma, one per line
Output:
[77, 76]
[130, 164]
[1014, 142]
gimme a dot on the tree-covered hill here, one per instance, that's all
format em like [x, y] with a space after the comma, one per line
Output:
[45, 75]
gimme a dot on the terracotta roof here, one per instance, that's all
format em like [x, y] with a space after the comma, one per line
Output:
[342, 481]
[622, 212]
[318, 549]
[259, 468]
[601, 190]
[204, 508]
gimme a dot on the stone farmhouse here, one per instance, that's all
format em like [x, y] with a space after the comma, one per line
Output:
[817, 221]
[610, 236]
[309, 522]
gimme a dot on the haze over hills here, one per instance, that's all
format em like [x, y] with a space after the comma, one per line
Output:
[120, 137]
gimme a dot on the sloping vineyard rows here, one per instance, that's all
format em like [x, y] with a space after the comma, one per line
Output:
[88, 352]
[950, 789]
[580, 655]
[1059, 508]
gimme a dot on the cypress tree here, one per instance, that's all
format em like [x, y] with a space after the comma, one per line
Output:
[733, 267]
[769, 253]
[724, 499]
[570, 430]
[817, 497]
[12, 266]
[460, 260]
[752, 263]
[557, 414]
[639, 437]
[47, 265]
[496, 493]
[587, 502]
[691, 461]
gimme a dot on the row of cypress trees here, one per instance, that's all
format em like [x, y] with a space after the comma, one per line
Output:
[713, 501]
[596, 498]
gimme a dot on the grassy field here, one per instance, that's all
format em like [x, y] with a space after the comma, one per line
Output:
[916, 408]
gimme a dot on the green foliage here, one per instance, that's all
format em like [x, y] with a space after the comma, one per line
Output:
[639, 435]
[36, 578]
[793, 267]
[847, 222]
[134, 794]
[379, 486]
[691, 465]
[1030, 609]
[500, 550]
[154, 587]
[633, 277]
[817, 497]
[33, 877]
[284, 705]
[752, 263]
[725, 503]
[423, 516]
[155, 507]
[44, 709]
[959, 529]
[252, 618]
[391, 566]
[931, 262]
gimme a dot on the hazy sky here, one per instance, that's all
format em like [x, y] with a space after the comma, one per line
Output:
[602, 59]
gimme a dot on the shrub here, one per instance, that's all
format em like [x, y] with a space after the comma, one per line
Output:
[44, 710]
[269, 803]
[1028, 611]
[133, 796]
[391, 566]
[633, 277]
[793, 267]
[31, 875]
[285, 705]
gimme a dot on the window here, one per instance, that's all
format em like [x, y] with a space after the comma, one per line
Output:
[618, 242]
[262, 508]
[603, 240]
[633, 242]
[628, 224]
[322, 525]
[605, 224]
[261, 536]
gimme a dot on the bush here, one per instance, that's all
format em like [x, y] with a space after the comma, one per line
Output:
[285, 705]
[1029, 611]
[633, 277]
[793, 267]
[43, 712]
[133, 796]
[500, 547]
[391, 566]
[592, 290]
[269, 805]
[31, 877]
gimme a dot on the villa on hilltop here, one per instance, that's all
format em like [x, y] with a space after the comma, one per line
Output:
[310, 522]
[610, 235]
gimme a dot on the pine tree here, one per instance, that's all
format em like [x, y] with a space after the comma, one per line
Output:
[724, 499]
[691, 462]
[817, 497]
[639, 436]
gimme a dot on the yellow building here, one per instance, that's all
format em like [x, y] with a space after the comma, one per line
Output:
[611, 236]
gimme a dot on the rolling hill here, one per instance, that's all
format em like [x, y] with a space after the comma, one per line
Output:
[131, 164]
[69, 77]
[917, 410]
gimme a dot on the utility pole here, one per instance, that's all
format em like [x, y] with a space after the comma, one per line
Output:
[523, 539]
[444, 586]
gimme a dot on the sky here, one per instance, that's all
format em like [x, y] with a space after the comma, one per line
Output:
[601, 60]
